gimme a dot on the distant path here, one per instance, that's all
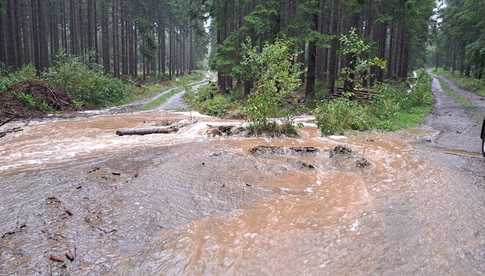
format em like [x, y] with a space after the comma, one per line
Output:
[177, 103]
[172, 104]
[459, 126]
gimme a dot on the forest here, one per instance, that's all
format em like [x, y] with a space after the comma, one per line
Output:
[396, 30]
[458, 41]
[146, 38]
[268, 55]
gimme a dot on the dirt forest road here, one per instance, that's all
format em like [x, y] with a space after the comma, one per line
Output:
[75, 199]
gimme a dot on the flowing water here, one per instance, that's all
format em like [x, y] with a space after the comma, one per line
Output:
[75, 199]
[188, 204]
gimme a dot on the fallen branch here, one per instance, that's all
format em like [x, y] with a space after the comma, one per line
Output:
[146, 131]
[8, 131]
[6, 121]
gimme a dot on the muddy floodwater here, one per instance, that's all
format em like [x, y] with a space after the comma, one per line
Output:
[75, 199]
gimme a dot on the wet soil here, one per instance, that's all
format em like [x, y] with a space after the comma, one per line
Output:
[76, 199]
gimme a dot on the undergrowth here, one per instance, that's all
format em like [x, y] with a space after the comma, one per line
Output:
[89, 87]
[9, 80]
[394, 108]
[208, 100]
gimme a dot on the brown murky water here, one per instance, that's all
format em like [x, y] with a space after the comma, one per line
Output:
[76, 199]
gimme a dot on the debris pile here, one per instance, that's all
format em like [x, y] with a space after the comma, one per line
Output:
[33, 98]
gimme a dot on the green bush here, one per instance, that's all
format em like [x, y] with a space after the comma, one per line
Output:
[394, 108]
[343, 114]
[278, 76]
[209, 100]
[34, 103]
[89, 87]
[7, 81]
[217, 106]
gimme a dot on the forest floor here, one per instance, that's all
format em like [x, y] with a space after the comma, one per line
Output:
[75, 198]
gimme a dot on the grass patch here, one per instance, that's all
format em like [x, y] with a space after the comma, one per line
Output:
[473, 85]
[394, 108]
[462, 100]
[409, 119]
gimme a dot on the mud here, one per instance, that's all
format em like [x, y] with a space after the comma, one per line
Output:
[75, 199]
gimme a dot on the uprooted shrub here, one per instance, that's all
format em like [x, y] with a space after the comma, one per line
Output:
[33, 98]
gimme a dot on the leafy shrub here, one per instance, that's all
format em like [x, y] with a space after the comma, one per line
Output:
[392, 109]
[89, 87]
[9, 80]
[279, 75]
[34, 103]
[217, 106]
[209, 100]
[421, 93]
[343, 114]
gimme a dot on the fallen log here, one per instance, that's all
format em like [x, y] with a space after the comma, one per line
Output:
[155, 130]
[147, 131]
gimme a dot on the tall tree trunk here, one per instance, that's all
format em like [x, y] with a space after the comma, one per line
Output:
[105, 36]
[43, 35]
[312, 55]
[333, 63]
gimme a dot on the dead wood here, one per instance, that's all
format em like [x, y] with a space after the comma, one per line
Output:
[146, 131]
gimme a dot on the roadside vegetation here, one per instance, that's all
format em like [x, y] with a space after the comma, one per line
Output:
[394, 108]
[87, 86]
[471, 84]
[276, 89]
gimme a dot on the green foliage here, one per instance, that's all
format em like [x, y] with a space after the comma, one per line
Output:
[34, 103]
[89, 87]
[209, 100]
[274, 129]
[394, 108]
[357, 51]
[459, 40]
[279, 77]
[334, 117]
[9, 80]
